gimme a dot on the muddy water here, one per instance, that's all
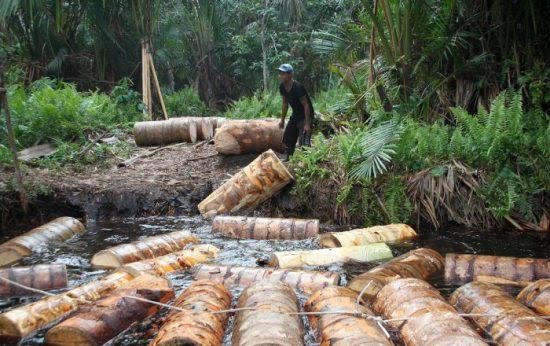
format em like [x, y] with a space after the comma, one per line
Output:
[76, 253]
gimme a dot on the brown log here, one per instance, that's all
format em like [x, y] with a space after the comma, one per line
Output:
[363, 236]
[343, 329]
[305, 281]
[59, 229]
[150, 247]
[537, 296]
[420, 263]
[242, 227]
[495, 280]
[174, 130]
[193, 328]
[424, 317]
[270, 323]
[98, 323]
[500, 315]
[44, 277]
[255, 183]
[462, 268]
[25, 320]
[249, 137]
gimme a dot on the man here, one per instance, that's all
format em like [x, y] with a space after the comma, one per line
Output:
[300, 124]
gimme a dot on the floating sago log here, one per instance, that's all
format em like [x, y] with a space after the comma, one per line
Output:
[463, 268]
[174, 130]
[183, 259]
[362, 236]
[44, 277]
[59, 229]
[537, 296]
[343, 329]
[100, 322]
[255, 183]
[500, 315]
[242, 227]
[321, 257]
[198, 326]
[249, 137]
[495, 280]
[305, 281]
[150, 247]
[420, 263]
[423, 316]
[271, 322]
[25, 320]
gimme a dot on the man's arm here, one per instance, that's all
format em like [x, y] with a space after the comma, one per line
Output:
[283, 112]
[307, 113]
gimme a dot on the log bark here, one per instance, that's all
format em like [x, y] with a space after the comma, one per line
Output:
[205, 127]
[59, 229]
[174, 130]
[242, 227]
[537, 296]
[321, 257]
[420, 263]
[425, 318]
[363, 236]
[193, 328]
[462, 268]
[98, 323]
[25, 320]
[150, 247]
[343, 329]
[44, 277]
[305, 281]
[249, 137]
[255, 183]
[270, 322]
[500, 315]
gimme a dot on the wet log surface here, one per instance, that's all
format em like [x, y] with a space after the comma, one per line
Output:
[537, 296]
[44, 277]
[242, 227]
[362, 236]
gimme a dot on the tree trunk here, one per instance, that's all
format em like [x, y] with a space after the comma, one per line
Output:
[98, 323]
[537, 296]
[193, 328]
[174, 130]
[151, 247]
[500, 315]
[421, 263]
[205, 127]
[265, 70]
[305, 281]
[253, 184]
[270, 322]
[249, 137]
[362, 236]
[241, 227]
[44, 277]
[424, 317]
[321, 257]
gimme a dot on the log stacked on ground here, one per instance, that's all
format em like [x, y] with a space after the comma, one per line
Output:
[420, 263]
[500, 315]
[305, 281]
[174, 130]
[320, 257]
[271, 322]
[537, 296]
[463, 268]
[424, 317]
[242, 227]
[343, 329]
[255, 183]
[150, 247]
[44, 277]
[249, 137]
[198, 326]
[22, 321]
[362, 236]
[59, 229]
[98, 323]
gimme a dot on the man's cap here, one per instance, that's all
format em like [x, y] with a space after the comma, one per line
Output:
[287, 68]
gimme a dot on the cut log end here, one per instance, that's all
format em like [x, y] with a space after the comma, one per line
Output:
[69, 335]
[9, 255]
[105, 259]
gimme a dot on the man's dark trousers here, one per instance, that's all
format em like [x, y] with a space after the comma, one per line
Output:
[294, 132]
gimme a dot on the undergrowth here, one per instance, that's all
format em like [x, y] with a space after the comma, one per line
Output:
[186, 102]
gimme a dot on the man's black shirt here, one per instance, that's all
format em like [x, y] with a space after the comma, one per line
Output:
[293, 96]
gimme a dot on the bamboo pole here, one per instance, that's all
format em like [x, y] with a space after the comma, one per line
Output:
[157, 86]
[44, 277]
[537, 296]
[362, 236]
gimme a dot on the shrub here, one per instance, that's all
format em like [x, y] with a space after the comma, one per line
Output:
[186, 102]
[256, 106]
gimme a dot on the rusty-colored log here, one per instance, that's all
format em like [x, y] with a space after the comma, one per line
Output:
[255, 183]
[420, 263]
[249, 137]
[150, 247]
[194, 328]
[363, 236]
[242, 227]
[500, 315]
[270, 322]
[463, 268]
[343, 329]
[44, 277]
[537, 296]
[98, 323]
[305, 281]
